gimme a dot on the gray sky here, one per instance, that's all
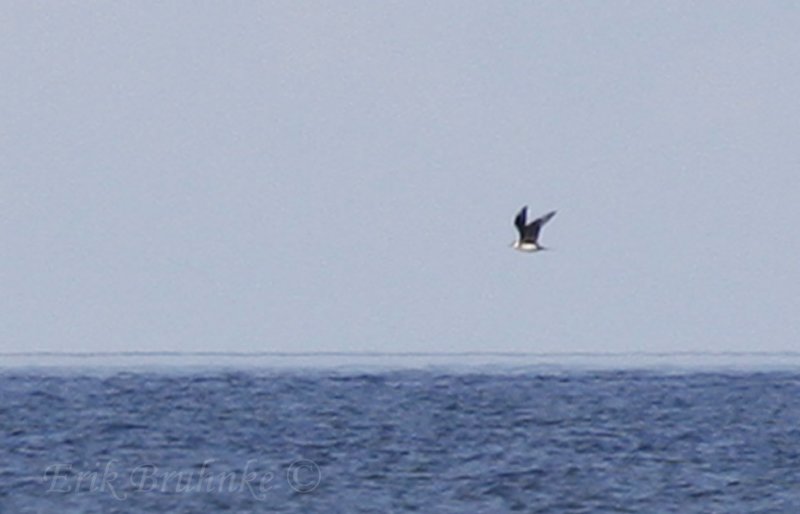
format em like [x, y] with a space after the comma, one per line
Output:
[342, 176]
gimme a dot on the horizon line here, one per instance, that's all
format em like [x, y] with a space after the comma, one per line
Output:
[177, 353]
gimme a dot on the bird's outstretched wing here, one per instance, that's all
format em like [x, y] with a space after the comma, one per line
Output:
[531, 232]
[544, 219]
[519, 221]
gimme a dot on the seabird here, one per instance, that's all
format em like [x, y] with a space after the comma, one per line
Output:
[528, 234]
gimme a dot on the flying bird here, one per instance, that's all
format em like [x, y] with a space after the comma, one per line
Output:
[529, 234]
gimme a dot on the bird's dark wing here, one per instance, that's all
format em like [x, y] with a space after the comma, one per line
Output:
[531, 232]
[519, 221]
[544, 219]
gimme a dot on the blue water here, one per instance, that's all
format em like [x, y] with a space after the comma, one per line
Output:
[399, 441]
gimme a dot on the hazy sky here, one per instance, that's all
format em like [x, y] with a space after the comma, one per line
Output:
[342, 176]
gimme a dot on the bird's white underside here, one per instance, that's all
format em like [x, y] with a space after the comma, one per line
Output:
[526, 247]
